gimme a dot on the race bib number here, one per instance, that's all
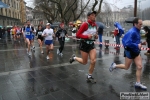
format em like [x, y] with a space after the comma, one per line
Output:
[27, 33]
[62, 34]
[49, 34]
[40, 33]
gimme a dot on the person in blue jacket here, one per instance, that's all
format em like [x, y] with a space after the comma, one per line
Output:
[132, 45]
[120, 31]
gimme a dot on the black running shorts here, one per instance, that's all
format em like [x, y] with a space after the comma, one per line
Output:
[40, 37]
[86, 46]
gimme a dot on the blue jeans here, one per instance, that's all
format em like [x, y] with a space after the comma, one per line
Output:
[117, 40]
[100, 38]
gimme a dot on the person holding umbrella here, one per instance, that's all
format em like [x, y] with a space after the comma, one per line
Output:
[118, 33]
[100, 31]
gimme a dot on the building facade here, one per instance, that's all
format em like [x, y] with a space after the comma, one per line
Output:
[12, 15]
[35, 16]
[38, 17]
[23, 11]
[29, 13]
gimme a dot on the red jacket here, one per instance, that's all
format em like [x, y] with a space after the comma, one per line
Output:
[83, 28]
[115, 32]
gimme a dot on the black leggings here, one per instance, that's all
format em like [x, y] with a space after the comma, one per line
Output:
[62, 43]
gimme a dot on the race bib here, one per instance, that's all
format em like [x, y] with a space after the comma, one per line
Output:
[40, 33]
[62, 34]
[27, 33]
[49, 34]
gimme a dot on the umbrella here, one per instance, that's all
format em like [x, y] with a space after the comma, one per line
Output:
[121, 31]
[3, 5]
[130, 19]
[146, 22]
[101, 25]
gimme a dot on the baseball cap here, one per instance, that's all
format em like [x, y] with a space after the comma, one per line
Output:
[48, 24]
[91, 12]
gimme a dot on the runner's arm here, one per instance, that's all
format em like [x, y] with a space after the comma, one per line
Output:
[83, 28]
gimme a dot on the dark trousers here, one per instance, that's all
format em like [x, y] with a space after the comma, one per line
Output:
[148, 44]
[117, 40]
[61, 43]
[0, 35]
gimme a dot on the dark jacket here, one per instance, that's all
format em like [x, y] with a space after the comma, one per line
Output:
[61, 33]
[147, 36]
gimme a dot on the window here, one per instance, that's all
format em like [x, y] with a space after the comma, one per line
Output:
[1, 11]
[6, 11]
[10, 13]
[13, 14]
[7, 22]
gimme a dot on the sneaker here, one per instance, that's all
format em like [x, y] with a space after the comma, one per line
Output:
[61, 54]
[91, 80]
[29, 53]
[112, 67]
[141, 86]
[47, 57]
[58, 51]
[42, 52]
[72, 58]
[33, 47]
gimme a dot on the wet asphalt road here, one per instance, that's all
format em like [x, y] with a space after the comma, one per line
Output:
[35, 78]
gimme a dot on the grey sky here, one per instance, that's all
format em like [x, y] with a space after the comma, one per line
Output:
[118, 3]
[121, 3]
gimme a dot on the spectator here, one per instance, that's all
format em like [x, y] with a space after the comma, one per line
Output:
[147, 35]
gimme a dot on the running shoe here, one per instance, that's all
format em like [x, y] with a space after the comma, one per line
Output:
[112, 67]
[141, 86]
[72, 58]
[91, 80]
[42, 52]
[61, 54]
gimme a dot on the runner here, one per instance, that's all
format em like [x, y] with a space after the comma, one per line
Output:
[18, 33]
[87, 33]
[40, 38]
[33, 35]
[61, 33]
[13, 32]
[132, 46]
[48, 33]
[28, 30]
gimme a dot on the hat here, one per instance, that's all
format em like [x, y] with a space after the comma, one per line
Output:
[91, 12]
[48, 24]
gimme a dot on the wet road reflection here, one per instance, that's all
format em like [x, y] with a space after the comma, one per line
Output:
[36, 78]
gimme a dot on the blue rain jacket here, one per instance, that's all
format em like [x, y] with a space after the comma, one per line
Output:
[121, 31]
[131, 39]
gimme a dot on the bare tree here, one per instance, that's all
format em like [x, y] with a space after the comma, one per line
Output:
[146, 14]
[65, 10]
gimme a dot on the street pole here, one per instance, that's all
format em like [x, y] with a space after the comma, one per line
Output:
[135, 8]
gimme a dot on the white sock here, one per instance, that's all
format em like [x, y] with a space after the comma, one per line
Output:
[89, 75]
[74, 58]
[138, 83]
[114, 65]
